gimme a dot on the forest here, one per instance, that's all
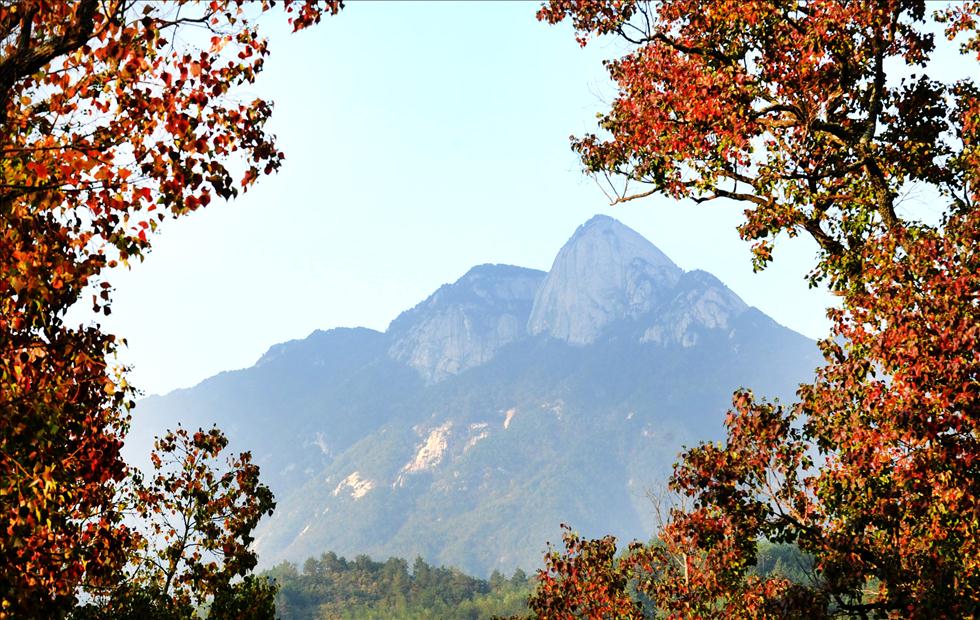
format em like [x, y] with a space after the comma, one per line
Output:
[362, 589]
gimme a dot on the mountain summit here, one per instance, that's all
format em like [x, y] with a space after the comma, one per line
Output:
[604, 273]
[502, 405]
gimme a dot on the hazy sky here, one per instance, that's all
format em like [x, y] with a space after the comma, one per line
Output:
[421, 139]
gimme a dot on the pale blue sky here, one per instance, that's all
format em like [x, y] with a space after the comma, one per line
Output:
[421, 139]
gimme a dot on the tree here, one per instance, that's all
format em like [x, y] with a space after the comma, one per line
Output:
[200, 515]
[196, 514]
[108, 125]
[788, 108]
[253, 598]
[782, 106]
[586, 580]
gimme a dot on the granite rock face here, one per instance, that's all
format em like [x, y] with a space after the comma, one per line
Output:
[605, 273]
[699, 302]
[464, 324]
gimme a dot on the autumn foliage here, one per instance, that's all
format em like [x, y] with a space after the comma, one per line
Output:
[587, 580]
[817, 117]
[114, 115]
[194, 511]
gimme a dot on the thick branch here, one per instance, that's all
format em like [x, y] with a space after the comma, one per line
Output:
[829, 244]
[696, 51]
[741, 196]
[27, 60]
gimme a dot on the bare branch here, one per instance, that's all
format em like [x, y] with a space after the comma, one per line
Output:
[627, 198]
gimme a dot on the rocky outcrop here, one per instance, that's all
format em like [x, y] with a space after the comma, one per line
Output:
[699, 302]
[605, 273]
[464, 324]
[356, 486]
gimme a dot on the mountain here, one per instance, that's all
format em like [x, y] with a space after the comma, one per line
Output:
[605, 273]
[504, 404]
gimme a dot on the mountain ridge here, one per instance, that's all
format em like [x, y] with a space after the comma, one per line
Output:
[505, 403]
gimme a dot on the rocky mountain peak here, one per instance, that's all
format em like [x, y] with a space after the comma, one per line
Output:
[602, 230]
[604, 273]
[463, 324]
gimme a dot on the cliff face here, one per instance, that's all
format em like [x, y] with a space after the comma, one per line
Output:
[698, 302]
[605, 273]
[464, 324]
[605, 277]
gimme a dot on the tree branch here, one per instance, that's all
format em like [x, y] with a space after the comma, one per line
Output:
[28, 59]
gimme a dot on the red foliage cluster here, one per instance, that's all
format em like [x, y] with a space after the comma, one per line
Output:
[109, 122]
[875, 472]
[782, 105]
[586, 580]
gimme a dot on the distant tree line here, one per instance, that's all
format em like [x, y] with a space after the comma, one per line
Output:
[333, 587]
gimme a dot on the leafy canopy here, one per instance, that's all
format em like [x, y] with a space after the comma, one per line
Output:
[109, 123]
[786, 107]
[195, 515]
[792, 108]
